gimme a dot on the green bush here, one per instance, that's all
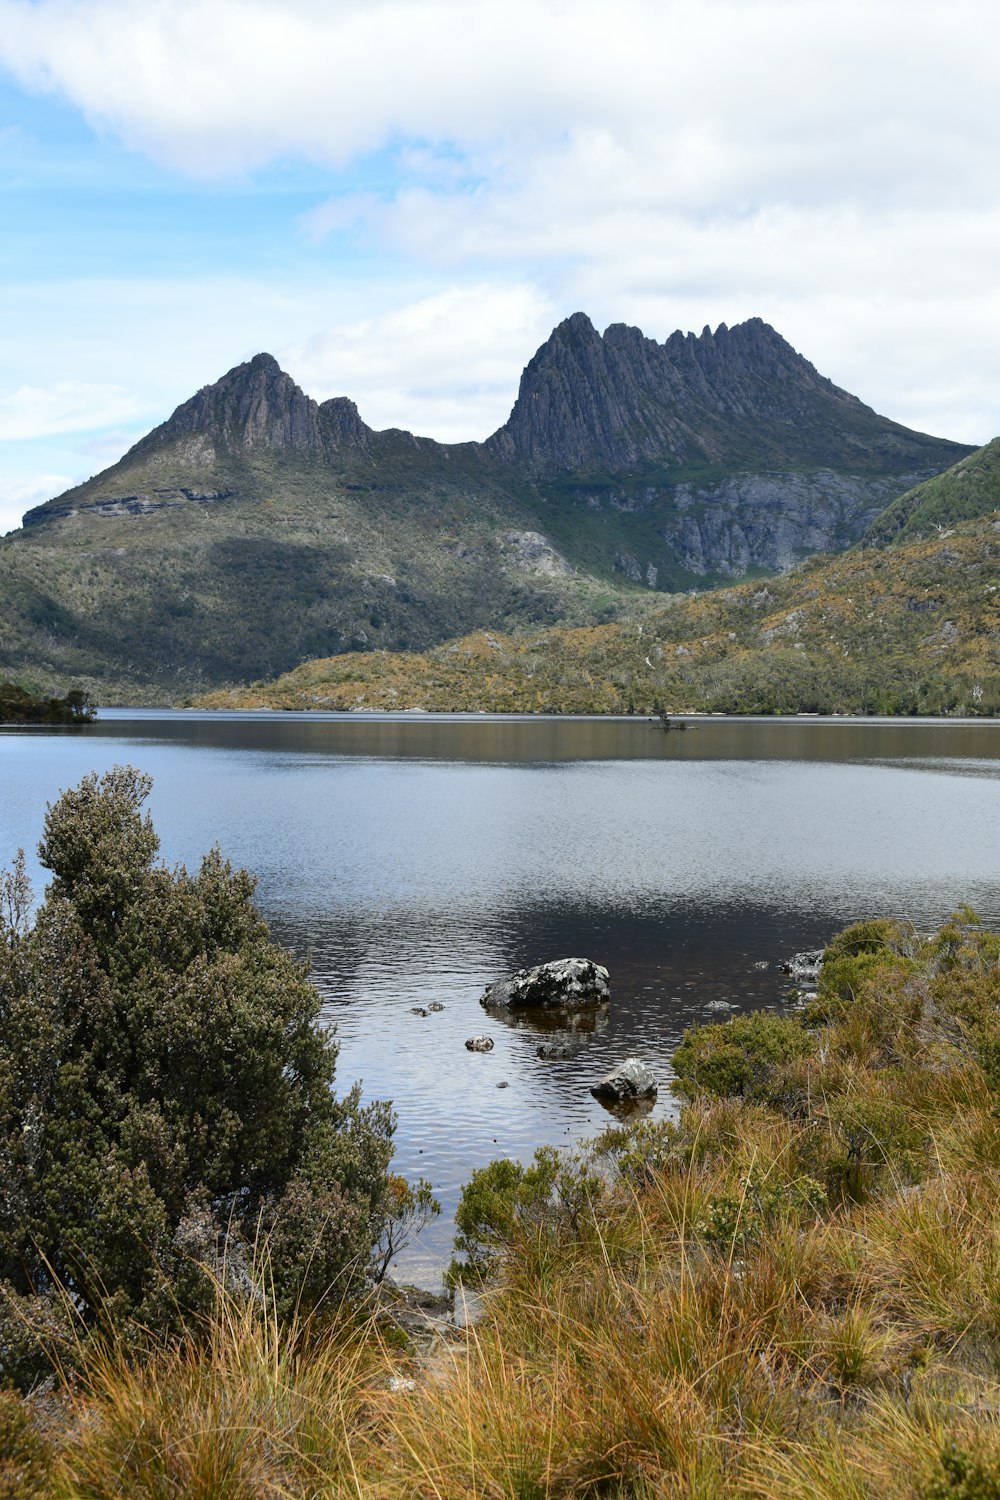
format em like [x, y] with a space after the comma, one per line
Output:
[735, 1220]
[878, 935]
[966, 1475]
[504, 1200]
[737, 1058]
[165, 1090]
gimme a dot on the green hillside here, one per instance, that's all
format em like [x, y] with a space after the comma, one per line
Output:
[300, 559]
[970, 488]
[913, 629]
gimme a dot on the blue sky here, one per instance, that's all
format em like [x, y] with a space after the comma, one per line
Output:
[399, 198]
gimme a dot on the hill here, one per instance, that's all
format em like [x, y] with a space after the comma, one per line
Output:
[914, 629]
[968, 489]
[256, 528]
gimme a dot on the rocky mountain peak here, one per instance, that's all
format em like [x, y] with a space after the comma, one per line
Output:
[254, 405]
[622, 400]
[257, 405]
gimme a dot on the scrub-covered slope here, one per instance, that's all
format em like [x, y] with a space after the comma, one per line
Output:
[908, 630]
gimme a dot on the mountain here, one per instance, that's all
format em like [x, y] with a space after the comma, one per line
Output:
[739, 397]
[256, 528]
[914, 629]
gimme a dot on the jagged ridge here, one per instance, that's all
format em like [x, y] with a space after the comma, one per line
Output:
[741, 394]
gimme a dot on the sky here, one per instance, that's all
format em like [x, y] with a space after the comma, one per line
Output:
[400, 198]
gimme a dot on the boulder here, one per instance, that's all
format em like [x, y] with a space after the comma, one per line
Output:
[632, 1079]
[479, 1044]
[804, 967]
[564, 984]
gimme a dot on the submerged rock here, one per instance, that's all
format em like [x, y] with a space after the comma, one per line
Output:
[565, 984]
[556, 1051]
[479, 1044]
[632, 1079]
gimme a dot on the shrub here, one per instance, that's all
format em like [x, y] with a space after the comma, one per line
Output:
[504, 1200]
[739, 1057]
[165, 1089]
[965, 1475]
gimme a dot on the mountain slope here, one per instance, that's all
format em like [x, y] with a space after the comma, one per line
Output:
[970, 488]
[909, 630]
[256, 528]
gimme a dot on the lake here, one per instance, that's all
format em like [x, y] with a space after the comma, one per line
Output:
[415, 859]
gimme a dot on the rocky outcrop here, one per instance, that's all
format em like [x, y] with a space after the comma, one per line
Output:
[564, 984]
[255, 405]
[258, 406]
[632, 1079]
[127, 505]
[479, 1044]
[535, 554]
[342, 425]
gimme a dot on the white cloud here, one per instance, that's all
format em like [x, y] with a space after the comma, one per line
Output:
[19, 495]
[445, 366]
[736, 99]
[67, 406]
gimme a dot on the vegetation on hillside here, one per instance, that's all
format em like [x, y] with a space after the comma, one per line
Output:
[914, 629]
[969, 489]
[165, 1097]
[791, 1290]
[299, 560]
[19, 706]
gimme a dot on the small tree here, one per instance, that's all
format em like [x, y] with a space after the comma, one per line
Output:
[165, 1088]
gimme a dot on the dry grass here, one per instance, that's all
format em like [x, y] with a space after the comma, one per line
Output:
[250, 1410]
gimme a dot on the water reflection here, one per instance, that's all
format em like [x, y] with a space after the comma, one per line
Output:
[482, 737]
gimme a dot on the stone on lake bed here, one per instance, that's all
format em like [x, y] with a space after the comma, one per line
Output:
[632, 1079]
[479, 1044]
[564, 983]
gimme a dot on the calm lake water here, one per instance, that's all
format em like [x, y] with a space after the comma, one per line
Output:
[418, 859]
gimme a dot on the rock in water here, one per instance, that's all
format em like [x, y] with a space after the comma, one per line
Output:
[804, 967]
[565, 984]
[556, 1051]
[479, 1044]
[632, 1079]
